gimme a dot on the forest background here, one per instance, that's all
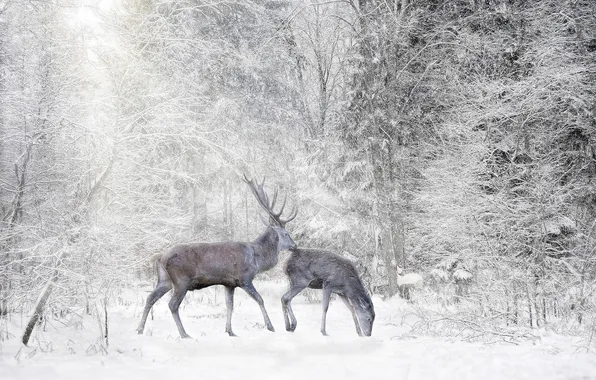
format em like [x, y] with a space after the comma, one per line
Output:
[455, 139]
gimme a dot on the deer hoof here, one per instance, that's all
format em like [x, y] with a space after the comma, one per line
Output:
[231, 333]
[185, 336]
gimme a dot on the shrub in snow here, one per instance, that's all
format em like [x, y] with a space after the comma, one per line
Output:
[462, 279]
[408, 281]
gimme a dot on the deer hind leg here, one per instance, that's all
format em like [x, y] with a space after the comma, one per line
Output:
[326, 298]
[230, 310]
[252, 292]
[286, 306]
[163, 286]
[175, 301]
[351, 307]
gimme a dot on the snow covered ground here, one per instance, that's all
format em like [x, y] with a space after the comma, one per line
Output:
[71, 351]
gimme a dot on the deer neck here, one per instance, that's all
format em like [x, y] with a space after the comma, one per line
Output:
[266, 249]
[355, 289]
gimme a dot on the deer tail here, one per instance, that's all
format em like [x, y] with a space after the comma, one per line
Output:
[162, 273]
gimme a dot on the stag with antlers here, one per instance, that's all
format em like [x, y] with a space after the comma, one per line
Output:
[196, 266]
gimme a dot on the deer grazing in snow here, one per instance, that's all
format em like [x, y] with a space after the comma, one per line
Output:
[318, 269]
[196, 266]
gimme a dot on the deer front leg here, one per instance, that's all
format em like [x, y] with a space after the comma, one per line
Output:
[286, 307]
[351, 307]
[326, 298]
[252, 292]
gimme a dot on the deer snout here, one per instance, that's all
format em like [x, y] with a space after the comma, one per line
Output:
[293, 245]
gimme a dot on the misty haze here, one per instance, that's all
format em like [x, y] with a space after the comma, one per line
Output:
[297, 189]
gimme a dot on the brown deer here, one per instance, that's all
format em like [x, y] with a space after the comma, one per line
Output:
[196, 266]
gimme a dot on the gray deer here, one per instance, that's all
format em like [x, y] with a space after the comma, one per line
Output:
[319, 269]
[196, 266]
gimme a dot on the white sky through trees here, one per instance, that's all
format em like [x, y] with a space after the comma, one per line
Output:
[448, 141]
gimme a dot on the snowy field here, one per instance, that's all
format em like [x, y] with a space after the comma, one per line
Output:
[71, 350]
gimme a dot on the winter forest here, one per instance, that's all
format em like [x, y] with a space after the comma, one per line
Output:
[452, 142]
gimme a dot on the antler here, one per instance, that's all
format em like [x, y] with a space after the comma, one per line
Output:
[263, 199]
[293, 214]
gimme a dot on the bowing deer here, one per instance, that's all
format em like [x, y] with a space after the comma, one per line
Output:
[319, 269]
[196, 266]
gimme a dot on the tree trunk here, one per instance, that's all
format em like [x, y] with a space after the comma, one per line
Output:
[41, 302]
[530, 303]
[199, 205]
[300, 98]
[385, 215]
[514, 311]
